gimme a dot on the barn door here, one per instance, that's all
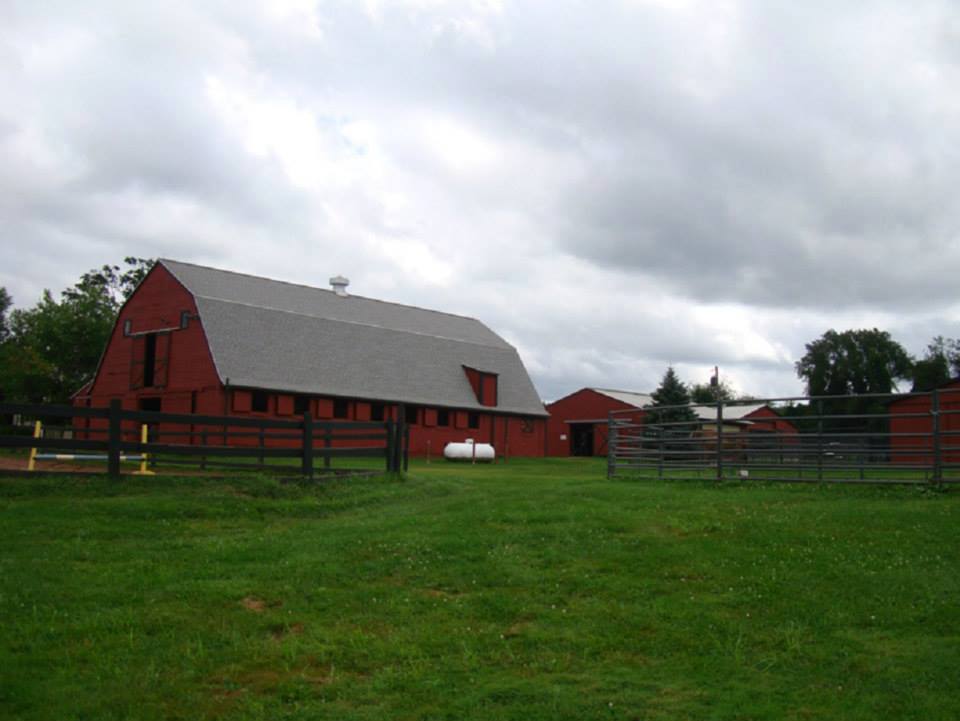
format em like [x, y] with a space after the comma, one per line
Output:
[150, 361]
[161, 361]
[137, 356]
[581, 439]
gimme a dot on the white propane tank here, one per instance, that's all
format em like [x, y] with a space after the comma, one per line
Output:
[469, 450]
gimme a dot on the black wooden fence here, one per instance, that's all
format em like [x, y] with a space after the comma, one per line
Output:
[888, 438]
[112, 435]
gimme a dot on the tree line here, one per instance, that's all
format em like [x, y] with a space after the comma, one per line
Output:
[49, 351]
[851, 363]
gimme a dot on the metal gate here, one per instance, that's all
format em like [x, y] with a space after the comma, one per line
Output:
[878, 438]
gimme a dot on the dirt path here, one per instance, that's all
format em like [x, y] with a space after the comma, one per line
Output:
[16, 463]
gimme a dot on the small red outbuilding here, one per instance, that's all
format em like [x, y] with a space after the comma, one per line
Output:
[912, 426]
[578, 422]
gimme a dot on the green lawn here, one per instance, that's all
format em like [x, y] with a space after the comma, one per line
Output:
[532, 590]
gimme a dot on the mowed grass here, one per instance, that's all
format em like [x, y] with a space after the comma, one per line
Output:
[531, 590]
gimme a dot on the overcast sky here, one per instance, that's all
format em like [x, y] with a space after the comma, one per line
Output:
[611, 186]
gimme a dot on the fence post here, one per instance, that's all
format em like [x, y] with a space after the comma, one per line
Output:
[37, 433]
[406, 437]
[937, 460]
[398, 448]
[391, 442]
[261, 443]
[145, 457]
[719, 439]
[306, 467]
[327, 444]
[114, 439]
[401, 416]
[660, 451]
[611, 447]
[820, 441]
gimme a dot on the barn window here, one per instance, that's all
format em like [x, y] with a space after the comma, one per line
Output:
[411, 413]
[526, 425]
[377, 411]
[473, 420]
[301, 404]
[488, 389]
[150, 404]
[259, 402]
[443, 417]
[484, 385]
[341, 408]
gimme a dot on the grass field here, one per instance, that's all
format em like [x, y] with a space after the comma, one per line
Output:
[532, 590]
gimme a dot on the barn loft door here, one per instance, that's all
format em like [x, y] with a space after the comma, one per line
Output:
[150, 360]
[136, 362]
[161, 361]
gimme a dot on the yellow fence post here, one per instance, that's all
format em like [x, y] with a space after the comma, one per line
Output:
[37, 433]
[144, 456]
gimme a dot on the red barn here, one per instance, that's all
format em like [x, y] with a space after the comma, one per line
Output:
[749, 417]
[912, 426]
[193, 339]
[578, 422]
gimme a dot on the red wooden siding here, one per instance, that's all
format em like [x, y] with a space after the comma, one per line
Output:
[911, 421]
[766, 419]
[284, 405]
[488, 389]
[183, 361]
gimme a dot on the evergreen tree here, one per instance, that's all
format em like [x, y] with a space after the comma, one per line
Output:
[671, 401]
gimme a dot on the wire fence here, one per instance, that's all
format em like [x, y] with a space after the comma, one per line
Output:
[871, 438]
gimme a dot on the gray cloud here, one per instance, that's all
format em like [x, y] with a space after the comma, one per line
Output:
[612, 186]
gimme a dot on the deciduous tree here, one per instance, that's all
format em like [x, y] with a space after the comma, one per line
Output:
[5, 302]
[709, 393]
[853, 362]
[52, 349]
[940, 363]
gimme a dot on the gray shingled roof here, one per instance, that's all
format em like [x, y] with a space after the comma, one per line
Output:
[632, 398]
[731, 412]
[270, 334]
